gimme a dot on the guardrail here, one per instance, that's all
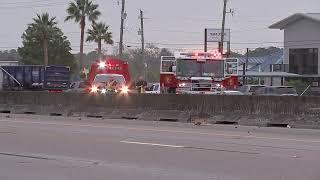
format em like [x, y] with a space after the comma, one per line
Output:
[245, 110]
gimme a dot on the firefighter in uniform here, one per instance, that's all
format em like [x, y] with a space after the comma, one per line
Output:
[141, 85]
[111, 85]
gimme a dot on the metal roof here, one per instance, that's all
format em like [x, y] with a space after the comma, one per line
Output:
[263, 61]
[295, 17]
[252, 60]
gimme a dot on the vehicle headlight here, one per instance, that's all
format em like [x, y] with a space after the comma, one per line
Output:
[103, 91]
[94, 89]
[182, 84]
[124, 90]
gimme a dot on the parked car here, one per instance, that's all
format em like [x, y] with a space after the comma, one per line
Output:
[250, 89]
[154, 89]
[277, 91]
[77, 87]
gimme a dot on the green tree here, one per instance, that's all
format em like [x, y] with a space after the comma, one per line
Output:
[299, 84]
[9, 55]
[79, 11]
[152, 57]
[264, 51]
[235, 54]
[99, 33]
[88, 58]
[42, 29]
[32, 52]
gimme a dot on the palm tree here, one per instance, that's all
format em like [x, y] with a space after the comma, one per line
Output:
[99, 33]
[79, 11]
[43, 27]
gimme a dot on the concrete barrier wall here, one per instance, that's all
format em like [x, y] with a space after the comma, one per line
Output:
[248, 110]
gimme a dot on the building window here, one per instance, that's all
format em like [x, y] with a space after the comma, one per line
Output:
[303, 61]
[280, 67]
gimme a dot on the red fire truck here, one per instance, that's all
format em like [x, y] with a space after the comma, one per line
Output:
[112, 69]
[198, 73]
[110, 66]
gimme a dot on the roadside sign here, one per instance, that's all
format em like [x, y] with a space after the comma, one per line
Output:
[231, 67]
[214, 35]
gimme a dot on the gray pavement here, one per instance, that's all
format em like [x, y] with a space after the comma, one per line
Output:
[58, 148]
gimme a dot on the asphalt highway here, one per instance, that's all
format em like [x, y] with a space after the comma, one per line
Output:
[59, 148]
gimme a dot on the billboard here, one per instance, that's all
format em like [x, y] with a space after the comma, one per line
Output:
[214, 35]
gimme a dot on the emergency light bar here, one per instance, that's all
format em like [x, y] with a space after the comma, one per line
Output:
[199, 55]
[102, 64]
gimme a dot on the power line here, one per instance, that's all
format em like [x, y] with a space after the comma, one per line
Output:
[174, 31]
[298, 43]
[49, 4]
[92, 46]
[132, 32]
[262, 42]
[199, 32]
[182, 18]
[25, 2]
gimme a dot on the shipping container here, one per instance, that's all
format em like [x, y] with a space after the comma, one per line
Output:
[28, 77]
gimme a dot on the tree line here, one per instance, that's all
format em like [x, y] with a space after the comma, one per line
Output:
[45, 43]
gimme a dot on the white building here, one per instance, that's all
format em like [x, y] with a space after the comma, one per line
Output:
[301, 43]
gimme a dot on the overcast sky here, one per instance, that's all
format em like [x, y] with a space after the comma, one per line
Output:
[169, 23]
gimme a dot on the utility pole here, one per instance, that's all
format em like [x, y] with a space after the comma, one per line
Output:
[245, 68]
[206, 40]
[123, 17]
[247, 59]
[223, 25]
[141, 32]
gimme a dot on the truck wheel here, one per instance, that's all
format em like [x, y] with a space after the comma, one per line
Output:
[163, 90]
[172, 90]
